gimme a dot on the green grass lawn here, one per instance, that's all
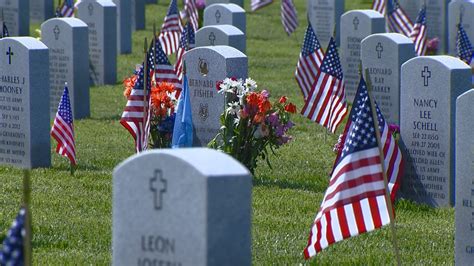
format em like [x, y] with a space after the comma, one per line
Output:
[72, 214]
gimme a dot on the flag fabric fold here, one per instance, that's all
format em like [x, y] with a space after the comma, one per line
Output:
[464, 48]
[171, 29]
[63, 129]
[418, 34]
[398, 20]
[192, 13]
[309, 61]
[136, 115]
[67, 9]
[379, 6]
[186, 43]
[289, 18]
[355, 202]
[12, 252]
[326, 102]
[160, 66]
[183, 124]
[257, 4]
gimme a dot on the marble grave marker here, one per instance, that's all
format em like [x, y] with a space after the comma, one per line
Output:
[221, 35]
[24, 103]
[355, 26]
[237, 2]
[138, 15]
[221, 14]
[101, 18]
[124, 29]
[68, 43]
[41, 10]
[181, 207]
[205, 67]
[324, 16]
[456, 8]
[464, 211]
[383, 54]
[16, 14]
[430, 86]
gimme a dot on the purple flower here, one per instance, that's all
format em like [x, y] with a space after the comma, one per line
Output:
[289, 125]
[273, 119]
[200, 4]
[283, 140]
[265, 94]
[393, 128]
[280, 131]
[433, 44]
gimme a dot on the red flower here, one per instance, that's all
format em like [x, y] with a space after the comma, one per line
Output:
[264, 105]
[129, 83]
[290, 108]
[258, 118]
[283, 99]
[218, 85]
[252, 99]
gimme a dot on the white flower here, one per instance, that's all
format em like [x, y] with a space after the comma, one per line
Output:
[233, 108]
[250, 84]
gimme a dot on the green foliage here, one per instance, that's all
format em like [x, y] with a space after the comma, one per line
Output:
[72, 214]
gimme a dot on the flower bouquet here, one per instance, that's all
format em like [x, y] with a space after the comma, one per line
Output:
[251, 124]
[163, 98]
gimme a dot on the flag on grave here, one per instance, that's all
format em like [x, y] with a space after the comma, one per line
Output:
[171, 29]
[398, 20]
[192, 13]
[355, 200]
[136, 116]
[67, 9]
[63, 129]
[418, 34]
[12, 252]
[309, 62]
[257, 4]
[183, 123]
[326, 102]
[289, 18]
[186, 43]
[379, 6]
[160, 67]
[464, 48]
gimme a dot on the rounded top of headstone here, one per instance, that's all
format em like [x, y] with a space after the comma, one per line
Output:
[104, 3]
[449, 62]
[28, 42]
[366, 12]
[73, 22]
[226, 29]
[226, 51]
[231, 7]
[467, 97]
[394, 37]
[207, 162]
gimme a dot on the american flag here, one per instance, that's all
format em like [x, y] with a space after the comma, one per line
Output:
[67, 8]
[63, 129]
[354, 202]
[463, 45]
[380, 6]
[289, 19]
[257, 4]
[309, 62]
[171, 29]
[326, 102]
[136, 116]
[398, 20]
[160, 65]
[192, 13]
[418, 34]
[187, 42]
[12, 253]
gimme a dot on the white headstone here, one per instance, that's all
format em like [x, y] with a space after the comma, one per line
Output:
[430, 86]
[221, 35]
[68, 43]
[16, 14]
[325, 16]
[225, 14]
[181, 207]
[237, 2]
[41, 10]
[124, 29]
[24, 103]
[205, 67]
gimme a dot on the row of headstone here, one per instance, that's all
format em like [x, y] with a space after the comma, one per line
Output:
[41, 10]
[324, 16]
[458, 9]
[16, 15]
[138, 15]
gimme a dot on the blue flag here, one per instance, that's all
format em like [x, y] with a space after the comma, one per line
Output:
[12, 252]
[183, 124]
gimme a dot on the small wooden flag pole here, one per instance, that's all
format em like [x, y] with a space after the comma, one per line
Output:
[145, 83]
[154, 53]
[27, 251]
[388, 199]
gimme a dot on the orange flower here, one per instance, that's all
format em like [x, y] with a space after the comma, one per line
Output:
[258, 118]
[129, 83]
[252, 99]
[283, 99]
[291, 108]
[264, 105]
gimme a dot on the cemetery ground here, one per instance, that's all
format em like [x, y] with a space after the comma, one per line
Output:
[72, 214]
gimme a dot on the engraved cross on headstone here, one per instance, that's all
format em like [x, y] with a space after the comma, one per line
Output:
[379, 50]
[9, 53]
[355, 21]
[90, 7]
[218, 16]
[426, 74]
[56, 32]
[212, 38]
[158, 186]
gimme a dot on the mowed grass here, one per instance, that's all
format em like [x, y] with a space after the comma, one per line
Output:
[72, 214]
